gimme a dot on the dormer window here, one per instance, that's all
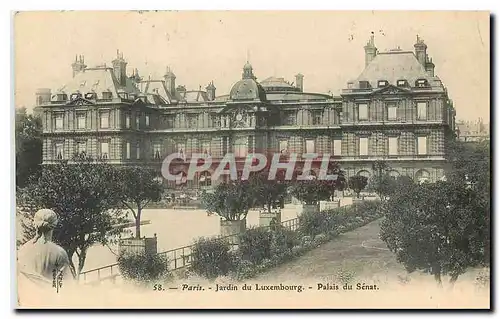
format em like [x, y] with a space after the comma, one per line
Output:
[74, 96]
[123, 95]
[59, 97]
[364, 84]
[421, 83]
[91, 96]
[107, 95]
[143, 98]
[402, 83]
[382, 83]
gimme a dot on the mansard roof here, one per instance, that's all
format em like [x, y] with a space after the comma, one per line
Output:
[97, 80]
[393, 66]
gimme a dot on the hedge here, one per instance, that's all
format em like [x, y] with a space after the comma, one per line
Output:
[263, 248]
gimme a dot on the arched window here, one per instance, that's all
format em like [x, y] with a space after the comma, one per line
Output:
[422, 176]
[364, 173]
[394, 174]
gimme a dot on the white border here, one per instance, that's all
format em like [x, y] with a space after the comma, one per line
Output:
[6, 124]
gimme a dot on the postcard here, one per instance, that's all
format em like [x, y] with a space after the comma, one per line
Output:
[252, 159]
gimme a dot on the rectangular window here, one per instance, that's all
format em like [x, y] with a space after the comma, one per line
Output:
[81, 121]
[127, 150]
[138, 120]
[401, 82]
[205, 148]
[309, 146]
[283, 146]
[104, 150]
[81, 148]
[59, 121]
[59, 150]
[392, 112]
[107, 95]
[191, 121]
[290, 118]
[156, 151]
[104, 120]
[421, 111]
[127, 121]
[181, 150]
[363, 146]
[393, 146]
[138, 150]
[337, 147]
[382, 83]
[362, 112]
[422, 145]
[215, 120]
[147, 120]
[316, 117]
[241, 147]
[225, 145]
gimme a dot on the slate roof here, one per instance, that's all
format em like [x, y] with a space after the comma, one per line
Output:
[295, 96]
[247, 89]
[393, 66]
[193, 96]
[97, 80]
[276, 83]
[156, 87]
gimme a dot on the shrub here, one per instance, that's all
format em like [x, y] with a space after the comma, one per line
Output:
[142, 267]
[211, 257]
[255, 244]
[245, 270]
[321, 239]
[282, 241]
[298, 250]
[311, 223]
[311, 191]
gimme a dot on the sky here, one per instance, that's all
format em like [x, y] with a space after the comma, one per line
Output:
[203, 46]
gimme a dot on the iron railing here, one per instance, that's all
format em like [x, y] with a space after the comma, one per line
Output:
[177, 258]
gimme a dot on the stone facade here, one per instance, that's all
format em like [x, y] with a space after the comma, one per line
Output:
[401, 115]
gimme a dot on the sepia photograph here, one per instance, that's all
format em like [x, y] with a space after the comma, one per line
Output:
[252, 159]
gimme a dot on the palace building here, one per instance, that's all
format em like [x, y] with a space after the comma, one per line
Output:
[397, 110]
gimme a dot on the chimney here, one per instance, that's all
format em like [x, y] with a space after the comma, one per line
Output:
[78, 65]
[299, 80]
[43, 96]
[421, 51]
[211, 91]
[170, 81]
[370, 50]
[120, 68]
[429, 66]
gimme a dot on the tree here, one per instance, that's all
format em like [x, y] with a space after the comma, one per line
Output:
[28, 146]
[339, 183]
[311, 192]
[231, 200]
[381, 182]
[357, 183]
[470, 167]
[267, 193]
[84, 195]
[139, 186]
[436, 228]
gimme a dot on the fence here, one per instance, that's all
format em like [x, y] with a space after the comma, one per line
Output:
[178, 258]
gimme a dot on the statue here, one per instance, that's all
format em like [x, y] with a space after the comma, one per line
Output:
[40, 260]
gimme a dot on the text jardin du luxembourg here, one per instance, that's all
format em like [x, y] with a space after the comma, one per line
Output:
[281, 287]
